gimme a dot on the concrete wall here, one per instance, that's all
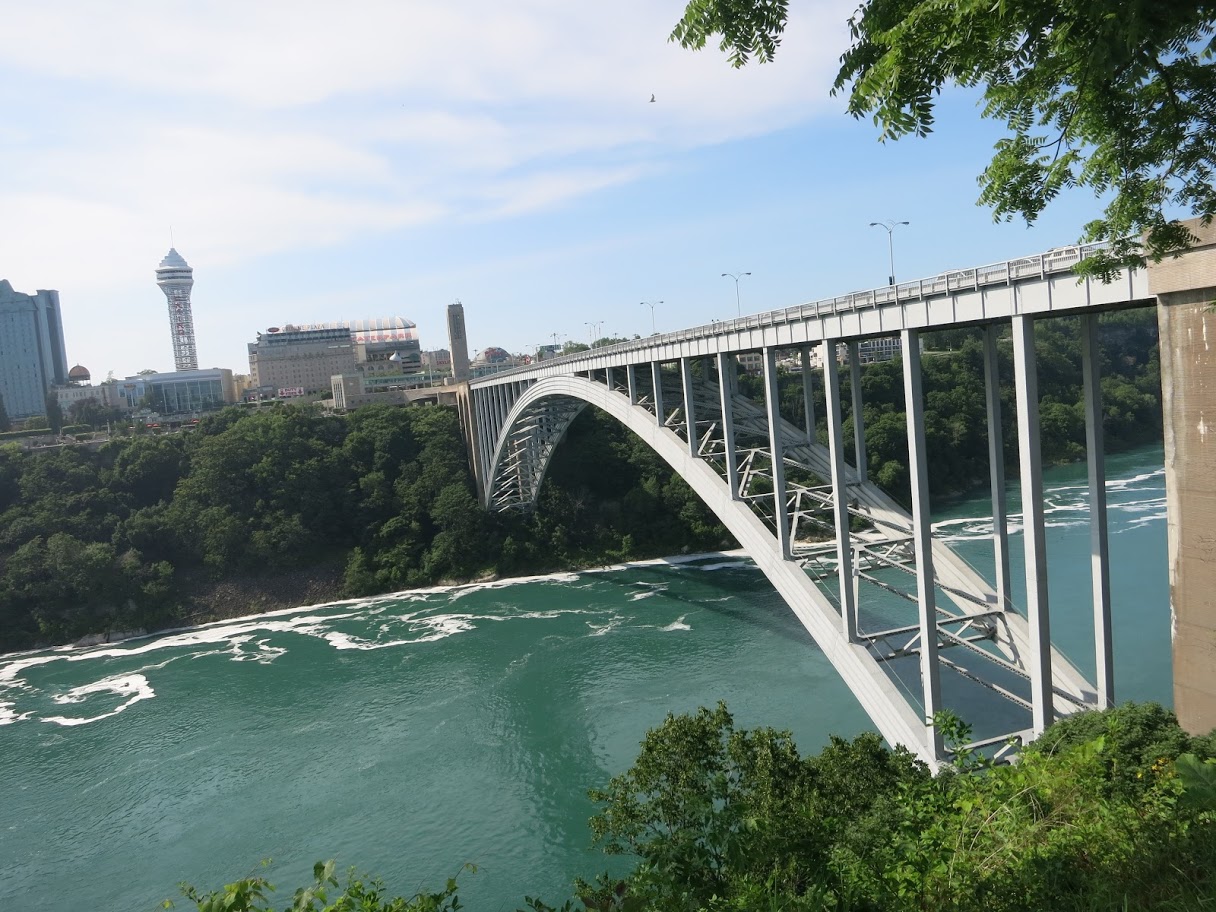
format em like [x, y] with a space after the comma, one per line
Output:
[1186, 289]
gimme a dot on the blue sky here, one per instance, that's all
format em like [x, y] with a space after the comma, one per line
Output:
[322, 161]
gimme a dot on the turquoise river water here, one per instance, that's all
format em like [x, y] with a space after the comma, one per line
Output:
[412, 733]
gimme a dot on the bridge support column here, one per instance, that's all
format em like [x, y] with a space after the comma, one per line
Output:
[772, 402]
[1030, 458]
[808, 394]
[656, 373]
[922, 536]
[726, 386]
[608, 378]
[631, 382]
[1099, 547]
[859, 424]
[481, 406]
[690, 416]
[1185, 289]
[500, 408]
[840, 492]
[996, 468]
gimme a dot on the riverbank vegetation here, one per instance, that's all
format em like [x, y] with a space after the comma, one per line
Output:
[142, 532]
[1107, 811]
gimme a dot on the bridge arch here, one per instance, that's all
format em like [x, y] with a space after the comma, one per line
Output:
[539, 418]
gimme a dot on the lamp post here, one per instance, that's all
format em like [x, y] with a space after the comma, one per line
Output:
[736, 277]
[593, 329]
[890, 226]
[651, 305]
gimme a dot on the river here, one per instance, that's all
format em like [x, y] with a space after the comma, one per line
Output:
[410, 734]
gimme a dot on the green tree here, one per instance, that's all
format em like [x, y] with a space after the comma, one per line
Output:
[1112, 95]
[54, 414]
[92, 413]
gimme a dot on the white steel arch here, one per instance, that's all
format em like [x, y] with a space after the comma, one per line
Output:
[538, 418]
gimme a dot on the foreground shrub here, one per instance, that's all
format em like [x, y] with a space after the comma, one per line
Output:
[1107, 811]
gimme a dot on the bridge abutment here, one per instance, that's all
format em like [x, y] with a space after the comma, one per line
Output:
[1186, 288]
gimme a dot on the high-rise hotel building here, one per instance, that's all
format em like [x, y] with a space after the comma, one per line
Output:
[176, 278]
[32, 356]
[307, 357]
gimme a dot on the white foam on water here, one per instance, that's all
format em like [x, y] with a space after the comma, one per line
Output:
[1138, 506]
[1065, 523]
[1141, 521]
[431, 629]
[1116, 484]
[726, 565]
[346, 641]
[8, 715]
[606, 628]
[133, 686]
[677, 624]
[263, 653]
[468, 589]
[675, 561]
[10, 671]
[638, 596]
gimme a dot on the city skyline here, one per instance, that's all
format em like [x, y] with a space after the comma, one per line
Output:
[431, 159]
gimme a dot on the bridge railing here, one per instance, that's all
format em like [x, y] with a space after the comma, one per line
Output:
[1054, 261]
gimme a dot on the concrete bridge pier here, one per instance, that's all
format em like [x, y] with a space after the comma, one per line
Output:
[1186, 289]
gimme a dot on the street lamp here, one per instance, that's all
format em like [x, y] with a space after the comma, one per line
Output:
[736, 277]
[593, 329]
[890, 226]
[651, 305]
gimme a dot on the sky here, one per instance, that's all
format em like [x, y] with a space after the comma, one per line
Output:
[327, 161]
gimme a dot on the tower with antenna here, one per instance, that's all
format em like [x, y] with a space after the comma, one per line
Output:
[176, 278]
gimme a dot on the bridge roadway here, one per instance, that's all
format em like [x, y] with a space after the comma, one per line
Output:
[909, 625]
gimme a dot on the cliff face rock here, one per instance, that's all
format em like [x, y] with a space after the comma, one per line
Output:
[110, 636]
[239, 595]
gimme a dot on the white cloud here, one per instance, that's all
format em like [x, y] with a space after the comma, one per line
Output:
[256, 128]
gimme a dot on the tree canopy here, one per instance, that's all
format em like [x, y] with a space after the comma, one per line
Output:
[1114, 95]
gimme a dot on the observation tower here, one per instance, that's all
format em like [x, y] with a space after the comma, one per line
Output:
[176, 278]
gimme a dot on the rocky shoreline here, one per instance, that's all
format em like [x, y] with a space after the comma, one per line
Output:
[245, 594]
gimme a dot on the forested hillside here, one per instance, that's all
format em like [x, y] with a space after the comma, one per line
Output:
[115, 538]
[123, 536]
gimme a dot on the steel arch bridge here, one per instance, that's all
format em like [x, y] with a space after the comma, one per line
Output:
[908, 624]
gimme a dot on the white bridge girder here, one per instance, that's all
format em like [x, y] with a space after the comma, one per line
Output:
[994, 641]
